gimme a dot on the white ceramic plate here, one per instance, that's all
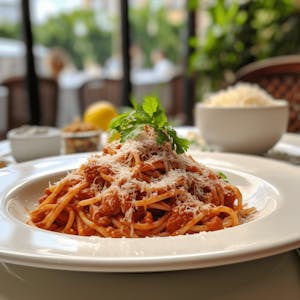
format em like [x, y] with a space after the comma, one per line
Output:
[272, 187]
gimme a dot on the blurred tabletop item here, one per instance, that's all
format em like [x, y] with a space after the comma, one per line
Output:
[33, 142]
[80, 136]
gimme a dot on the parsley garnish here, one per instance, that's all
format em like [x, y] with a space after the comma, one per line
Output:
[223, 176]
[129, 125]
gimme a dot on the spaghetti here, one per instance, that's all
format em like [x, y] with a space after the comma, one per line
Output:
[138, 189]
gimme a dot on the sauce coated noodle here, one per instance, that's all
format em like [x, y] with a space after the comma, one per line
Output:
[139, 189]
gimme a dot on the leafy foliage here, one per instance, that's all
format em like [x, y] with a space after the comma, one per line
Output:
[8, 30]
[60, 31]
[151, 29]
[242, 33]
[129, 125]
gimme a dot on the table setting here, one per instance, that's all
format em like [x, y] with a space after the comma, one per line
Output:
[258, 257]
[279, 275]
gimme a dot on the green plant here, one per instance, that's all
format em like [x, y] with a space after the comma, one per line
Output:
[91, 42]
[242, 33]
[151, 29]
[8, 30]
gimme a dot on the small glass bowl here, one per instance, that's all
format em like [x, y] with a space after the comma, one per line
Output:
[77, 142]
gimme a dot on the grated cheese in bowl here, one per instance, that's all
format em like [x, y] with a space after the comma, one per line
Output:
[241, 95]
[243, 119]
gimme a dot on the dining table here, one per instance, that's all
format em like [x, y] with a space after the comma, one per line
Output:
[144, 82]
[273, 276]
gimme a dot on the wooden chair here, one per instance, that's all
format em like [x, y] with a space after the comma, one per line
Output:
[177, 94]
[2, 135]
[280, 76]
[89, 92]
[18, 107]
[100, 89]
[113, 89]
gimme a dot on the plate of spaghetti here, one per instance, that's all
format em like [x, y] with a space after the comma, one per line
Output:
[142, 204]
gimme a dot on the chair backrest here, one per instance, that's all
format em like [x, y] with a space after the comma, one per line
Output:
[100, 89]
[177, 94]
[169, 91]
[89, 92]
[280, 76]
[113, 88]
[18, 106]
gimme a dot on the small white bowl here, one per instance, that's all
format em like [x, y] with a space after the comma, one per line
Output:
[252, 130]
[32, 142]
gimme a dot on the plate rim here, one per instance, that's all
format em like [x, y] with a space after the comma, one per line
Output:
[144, 264]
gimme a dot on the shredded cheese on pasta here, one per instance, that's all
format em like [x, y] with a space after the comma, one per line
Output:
[138, 189]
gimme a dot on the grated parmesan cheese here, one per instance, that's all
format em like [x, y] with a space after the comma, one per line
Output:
[241, 95]
[131, 189]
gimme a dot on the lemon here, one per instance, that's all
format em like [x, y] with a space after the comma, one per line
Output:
[100, 114]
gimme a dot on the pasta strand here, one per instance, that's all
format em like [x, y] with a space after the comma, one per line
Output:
[137, 189]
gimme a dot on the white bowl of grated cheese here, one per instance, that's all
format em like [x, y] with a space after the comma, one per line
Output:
[32, 142]
[242, 119]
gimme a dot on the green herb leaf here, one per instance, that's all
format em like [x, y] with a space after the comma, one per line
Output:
[223, 176]
[150, 105]
[118, 120]
[161, 119]
[134, 103]
[129, 125]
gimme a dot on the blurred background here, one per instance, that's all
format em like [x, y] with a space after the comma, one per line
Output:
[179, 50]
